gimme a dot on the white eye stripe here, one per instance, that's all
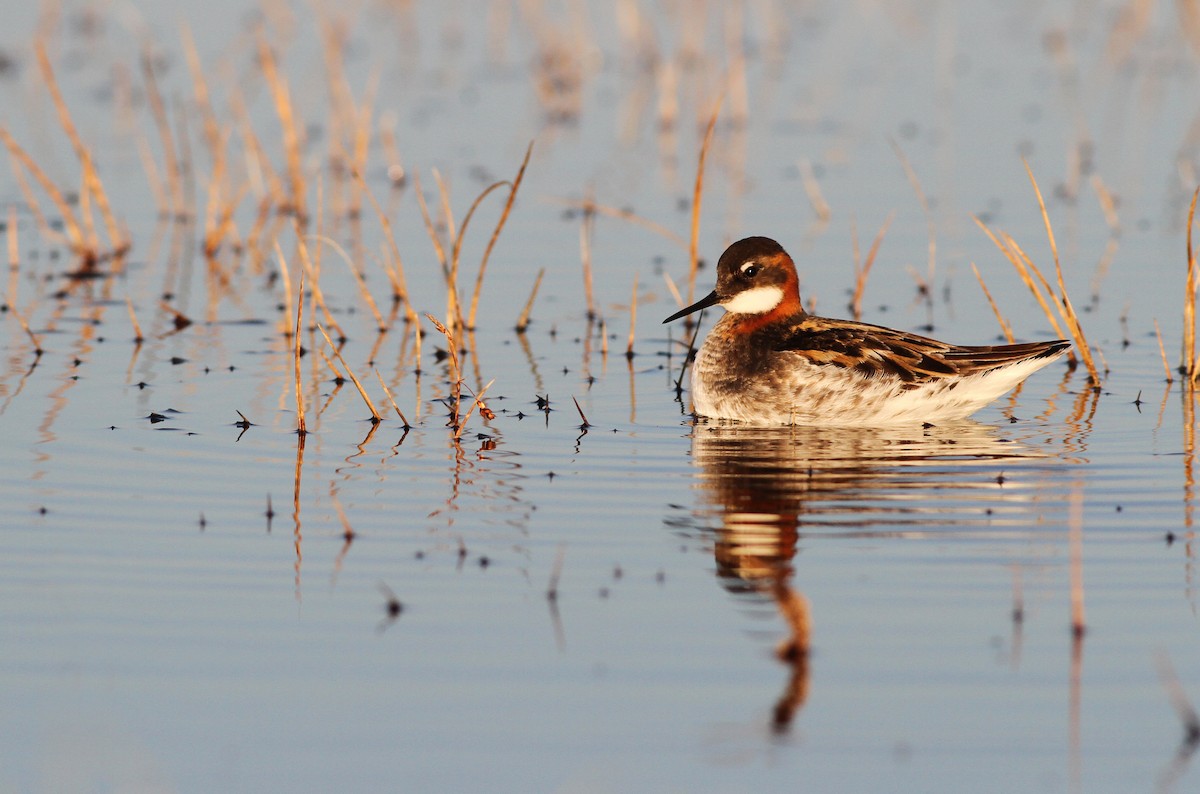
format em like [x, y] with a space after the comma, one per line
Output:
[754, 301]
[747, 266]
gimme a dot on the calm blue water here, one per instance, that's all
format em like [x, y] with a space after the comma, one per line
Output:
[185, 606]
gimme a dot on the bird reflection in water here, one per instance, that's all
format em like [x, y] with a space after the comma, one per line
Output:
[763, 489]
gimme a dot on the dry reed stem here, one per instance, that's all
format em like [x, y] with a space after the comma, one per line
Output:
[338, 377]
[375, 417]
[1078, 621]
[300, 429]
[487, 252]
[170, 158]
[913, 180]
[523, 320]
[138, 337]
[1162, 350]
[90, 177]
[309, 267]
[212, 133]
[476, 403]
[70, 222]
[585, 255]
[1188, 365]
[395, 276]
[456, 248]
[31, 203]
[278, 86]
[37, 344]
[697, 193]
[455, 371]
[430, 228]
[11, 238]
[1004, 326]
[1108, 204]
[632, 319]
[587, 205]
[812, 188]
[1064, 301]
[392, 400]
[861, 273]
[1022, 264]
[285, 274]
[358, 278]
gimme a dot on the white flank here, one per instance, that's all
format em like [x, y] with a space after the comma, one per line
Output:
[754, 301]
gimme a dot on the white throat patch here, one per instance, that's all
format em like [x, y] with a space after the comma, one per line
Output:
[755, 301]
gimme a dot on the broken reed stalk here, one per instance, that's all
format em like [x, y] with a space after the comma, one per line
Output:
[308, 266]
[455, 371]
[632, 320]
[1063, 300]
[861, 273]
[375, 416]
[586, 424]
[587, 205]
[487, 252]
[523, 320]
[91, 179]
[392, 400]
[697, 193]
[1004, 326]
[1188, 366]
[1162, 350]
[296, 351]
[278, 86]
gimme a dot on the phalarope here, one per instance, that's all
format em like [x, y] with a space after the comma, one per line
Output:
[767, 361]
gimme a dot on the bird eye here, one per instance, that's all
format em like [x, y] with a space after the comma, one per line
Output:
[750, 270]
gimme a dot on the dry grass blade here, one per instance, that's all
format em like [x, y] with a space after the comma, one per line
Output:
[1064, 301]
[697, 193]
[523, 320]
[1078, 621]
[392, 400]
[487, 253]
[375, 416]
[171, 160]
[358, 278]
[1004, 326]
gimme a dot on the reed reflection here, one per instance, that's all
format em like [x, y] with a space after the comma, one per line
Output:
[763, 490]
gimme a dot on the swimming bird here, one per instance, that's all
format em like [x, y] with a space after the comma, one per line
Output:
[769, 362]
